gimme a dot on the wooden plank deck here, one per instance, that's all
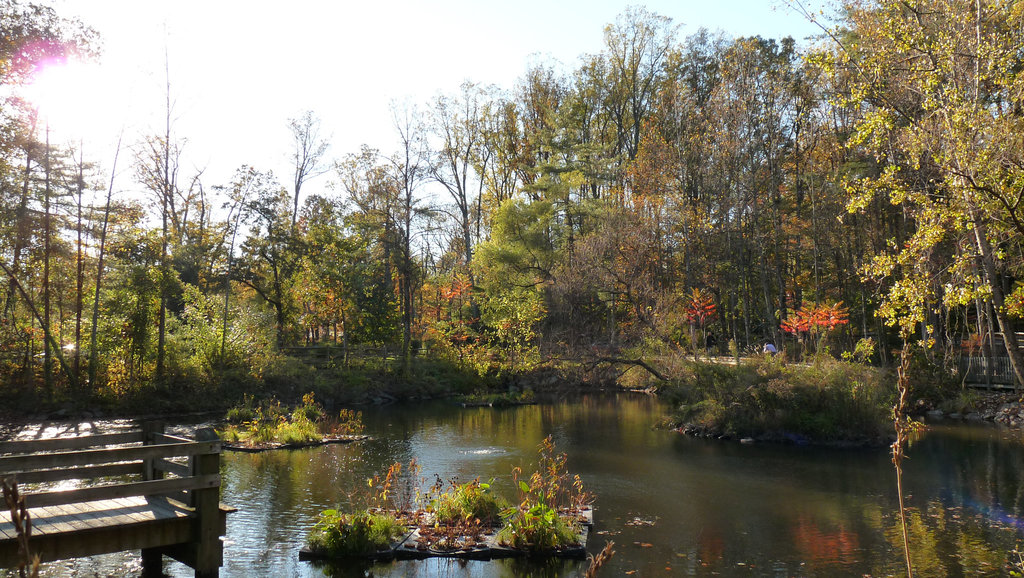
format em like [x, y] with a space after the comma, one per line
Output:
[102, 526]
[128, 514]
[87, 515]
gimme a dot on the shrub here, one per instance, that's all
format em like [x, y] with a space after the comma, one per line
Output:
[538, 527]
[349, 422]
[359, 534]
[468, 502]
[299, 430]
[310, 410]
[829, 401]
[243, 412]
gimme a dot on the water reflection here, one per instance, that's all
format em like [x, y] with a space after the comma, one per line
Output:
[673, 505]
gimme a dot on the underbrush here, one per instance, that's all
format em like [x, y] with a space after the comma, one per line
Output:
[830, 401]
[500, 399]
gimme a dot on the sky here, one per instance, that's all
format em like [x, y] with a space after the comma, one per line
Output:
[239, 70]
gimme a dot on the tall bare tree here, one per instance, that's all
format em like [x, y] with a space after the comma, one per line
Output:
[308, 156]
[410, 164]
[459, 130]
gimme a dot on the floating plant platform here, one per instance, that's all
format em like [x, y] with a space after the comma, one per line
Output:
[427, 541]
[469, 404]
[267, 446]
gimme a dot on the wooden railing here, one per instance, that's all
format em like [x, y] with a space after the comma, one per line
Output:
[165, 474]
[981, 370]
[341, 356]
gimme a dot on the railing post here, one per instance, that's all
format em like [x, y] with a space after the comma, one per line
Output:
[152, 558]
[150, 429]
[209, 549]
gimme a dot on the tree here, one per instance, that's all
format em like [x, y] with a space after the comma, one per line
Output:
[943, 122]
[94, 333]
[410, 165]
[637, 46]
[700, 311]
[461, 158]
[308, 154]
[247, 180]
[377, 243]
[157, 169]
[270, 253]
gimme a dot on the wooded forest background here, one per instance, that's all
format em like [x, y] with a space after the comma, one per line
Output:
[877, 173]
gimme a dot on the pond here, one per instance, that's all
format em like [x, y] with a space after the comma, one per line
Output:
[673, 505]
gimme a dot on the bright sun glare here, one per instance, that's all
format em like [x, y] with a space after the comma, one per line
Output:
[72, 103]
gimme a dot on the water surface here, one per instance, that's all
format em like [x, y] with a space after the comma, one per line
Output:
[673, 505]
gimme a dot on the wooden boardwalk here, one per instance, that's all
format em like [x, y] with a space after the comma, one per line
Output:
[107, 493]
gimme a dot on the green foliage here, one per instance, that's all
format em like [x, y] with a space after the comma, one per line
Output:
[541, 520]
[964, 403]
[268, 421]
[511, 317]
[831, 401]
[929, 382]
[602, 193]
[546, 518]
[862, 351]
[242, 412]
[310, 410]
[537, 528]
[360, 534]
[520, 249]
[298, 430]
[471, 501]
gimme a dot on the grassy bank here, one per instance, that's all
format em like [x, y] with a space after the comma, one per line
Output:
[193, 388]
[827, 402]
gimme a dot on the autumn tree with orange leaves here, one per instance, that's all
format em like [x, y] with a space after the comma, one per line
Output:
[700, 312]
[814, 323]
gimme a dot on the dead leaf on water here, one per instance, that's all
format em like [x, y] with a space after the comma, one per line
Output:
[638, 521]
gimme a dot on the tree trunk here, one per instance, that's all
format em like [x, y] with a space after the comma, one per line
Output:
[47, 333]
[93, 352]
[998, 302]
[79, 272]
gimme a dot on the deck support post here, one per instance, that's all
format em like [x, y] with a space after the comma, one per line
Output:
[152, 562]
[209, 549]
[152, 558]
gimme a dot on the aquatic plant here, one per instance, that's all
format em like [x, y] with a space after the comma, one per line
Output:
[471, 501]
[547, 517]
[28, 563]
[269, 422]
[310, 410]
[543, 518]
[299, 430]
[537, 526]
[243, 412]
[602, 557]
[349, 422]
[360, 534]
